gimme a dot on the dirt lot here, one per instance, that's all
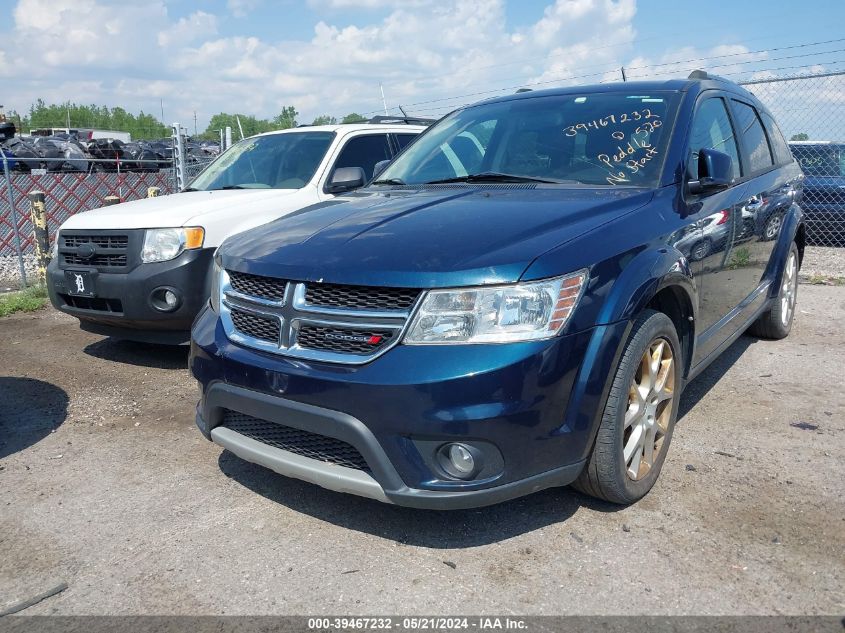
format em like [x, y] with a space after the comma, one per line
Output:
[105, 484]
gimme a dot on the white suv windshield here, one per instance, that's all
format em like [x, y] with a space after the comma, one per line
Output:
[595, 139]
[276, 161]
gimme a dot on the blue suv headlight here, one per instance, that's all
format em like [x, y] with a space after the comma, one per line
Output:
[497, 314]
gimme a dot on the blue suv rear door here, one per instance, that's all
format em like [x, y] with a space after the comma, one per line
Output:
[715, 217]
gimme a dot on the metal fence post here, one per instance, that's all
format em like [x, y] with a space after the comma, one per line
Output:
[38, 214]
[14, 214]
[179, 157]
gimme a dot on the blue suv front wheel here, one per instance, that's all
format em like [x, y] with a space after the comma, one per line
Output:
[639, 415]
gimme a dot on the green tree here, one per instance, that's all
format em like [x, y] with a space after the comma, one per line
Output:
[286, 119]
[353, 117]
[250, 124]
[325, 119]
[801, 136]
[43, 115]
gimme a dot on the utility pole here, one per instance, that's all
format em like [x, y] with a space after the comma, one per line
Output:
[195, 122]
[161, 102]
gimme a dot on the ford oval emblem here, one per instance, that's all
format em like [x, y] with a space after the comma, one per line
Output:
[86, 251]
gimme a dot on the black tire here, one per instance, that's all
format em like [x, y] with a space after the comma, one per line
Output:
[605, 475]
[776, 322]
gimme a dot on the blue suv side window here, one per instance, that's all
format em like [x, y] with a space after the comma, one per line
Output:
[753, 137]
[712, 129]
[779, 145]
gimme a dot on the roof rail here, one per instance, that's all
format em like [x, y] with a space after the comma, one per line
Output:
[703, 74]
[408, 120]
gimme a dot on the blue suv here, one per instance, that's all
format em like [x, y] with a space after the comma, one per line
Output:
[515, 302]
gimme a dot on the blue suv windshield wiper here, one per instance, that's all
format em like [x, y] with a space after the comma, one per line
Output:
[492, 176]
[389, 181]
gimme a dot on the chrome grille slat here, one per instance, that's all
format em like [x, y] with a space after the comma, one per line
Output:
[353, 324]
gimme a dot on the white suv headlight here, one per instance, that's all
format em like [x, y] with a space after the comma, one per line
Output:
[497, 314]
[161, 245]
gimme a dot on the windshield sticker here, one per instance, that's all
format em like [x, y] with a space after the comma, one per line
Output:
[597, 124]
[633, 147]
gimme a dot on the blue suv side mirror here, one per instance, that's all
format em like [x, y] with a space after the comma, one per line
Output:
[715, 171]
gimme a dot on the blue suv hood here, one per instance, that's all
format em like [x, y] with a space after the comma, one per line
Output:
[426, 238]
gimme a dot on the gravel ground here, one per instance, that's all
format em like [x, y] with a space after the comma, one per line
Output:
[823, 261]
[10, 276]
[105, 484]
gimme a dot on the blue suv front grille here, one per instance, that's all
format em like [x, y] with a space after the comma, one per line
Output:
[326, 322]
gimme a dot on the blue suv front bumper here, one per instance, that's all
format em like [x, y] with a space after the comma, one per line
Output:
[531, 409]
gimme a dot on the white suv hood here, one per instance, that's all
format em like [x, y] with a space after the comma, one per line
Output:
[196, 208]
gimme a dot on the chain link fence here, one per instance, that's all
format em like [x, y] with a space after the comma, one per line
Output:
[65, 195]
[195, 167]
[809, 108]
[69, 193]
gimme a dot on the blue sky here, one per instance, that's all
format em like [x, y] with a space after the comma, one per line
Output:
[329, 56]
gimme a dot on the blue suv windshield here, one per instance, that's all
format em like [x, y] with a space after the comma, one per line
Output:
[275, 161]
[610, 139]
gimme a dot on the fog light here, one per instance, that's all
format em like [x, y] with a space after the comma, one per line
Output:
[459, 461]
[166, 299]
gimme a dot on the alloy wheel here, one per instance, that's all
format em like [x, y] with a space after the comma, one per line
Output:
[650, 404]
[772, 227]
[789, 289]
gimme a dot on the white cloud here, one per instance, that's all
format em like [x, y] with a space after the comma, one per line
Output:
[367, 4]
[186, 30]
[240, 8]
[82, 34]
[133, 55]
[724, 59]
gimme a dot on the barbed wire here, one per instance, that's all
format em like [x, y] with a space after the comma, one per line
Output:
[616, 68]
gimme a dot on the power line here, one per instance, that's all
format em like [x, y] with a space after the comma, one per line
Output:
[613, 67]
[608, 67]
[751, 61]
[614, 45]
[727, 55]
[436, 111]
[748, 71]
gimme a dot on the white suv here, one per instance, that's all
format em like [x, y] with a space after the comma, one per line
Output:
[139, 270]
